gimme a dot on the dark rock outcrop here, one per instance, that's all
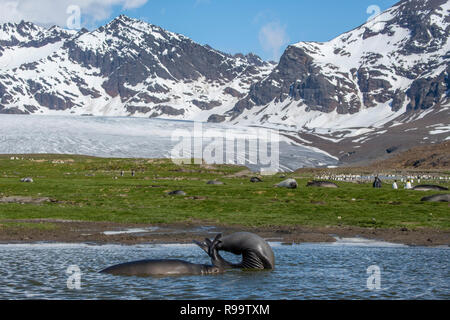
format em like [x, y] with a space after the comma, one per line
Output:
[203, 105]
[425, 93]
[216, 118]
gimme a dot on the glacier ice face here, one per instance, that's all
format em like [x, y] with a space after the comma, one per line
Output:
[126, 137]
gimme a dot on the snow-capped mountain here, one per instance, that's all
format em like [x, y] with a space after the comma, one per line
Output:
[399, 59]
[380, 88]
[389, 75]
[127, 67]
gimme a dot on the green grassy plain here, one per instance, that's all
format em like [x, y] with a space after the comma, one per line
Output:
[86, 188]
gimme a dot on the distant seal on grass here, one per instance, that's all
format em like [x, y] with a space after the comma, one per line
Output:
[215, 182]
[177, 193]
[145, 268]
[437, 198]
[255, 180]
[289, 183]
[322, 184]
[256, 252]
[27, 179]
[429, 187]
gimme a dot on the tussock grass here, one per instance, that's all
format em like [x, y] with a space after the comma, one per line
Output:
[92, 189]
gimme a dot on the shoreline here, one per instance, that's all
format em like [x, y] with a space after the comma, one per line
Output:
[65, 231]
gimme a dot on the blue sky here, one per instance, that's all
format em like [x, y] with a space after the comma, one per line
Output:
[238, 25]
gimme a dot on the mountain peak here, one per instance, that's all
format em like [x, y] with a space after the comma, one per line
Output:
[126, 19]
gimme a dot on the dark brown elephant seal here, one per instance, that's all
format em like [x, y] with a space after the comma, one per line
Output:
[165, 267]
[437, 198]
[256, 252]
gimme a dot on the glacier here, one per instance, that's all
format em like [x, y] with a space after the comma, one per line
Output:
[134, 137]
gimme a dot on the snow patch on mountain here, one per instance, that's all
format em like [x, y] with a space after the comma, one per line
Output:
[15, 57]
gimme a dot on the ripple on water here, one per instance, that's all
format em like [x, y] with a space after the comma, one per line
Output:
[307, 271]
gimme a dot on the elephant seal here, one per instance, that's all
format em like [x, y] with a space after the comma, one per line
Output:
[256, 252]
[145, 268]
[177, 193]
[437, 198]
[429, 187]
[166, 267]
[215, 182]
[289, 183]
[322, 184]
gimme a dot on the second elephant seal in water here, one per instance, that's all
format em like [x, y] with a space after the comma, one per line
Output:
[256, 252]
[165, 267]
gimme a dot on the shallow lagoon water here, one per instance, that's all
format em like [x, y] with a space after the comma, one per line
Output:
[305, 271]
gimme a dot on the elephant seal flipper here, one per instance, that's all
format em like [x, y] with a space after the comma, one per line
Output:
[208, 246]
[203, 245]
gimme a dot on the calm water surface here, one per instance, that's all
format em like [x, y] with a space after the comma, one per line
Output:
[307, 271]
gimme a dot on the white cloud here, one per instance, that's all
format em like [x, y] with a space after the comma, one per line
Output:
[272, 37]
[49, 12]
[133, 4]
[200, 2]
